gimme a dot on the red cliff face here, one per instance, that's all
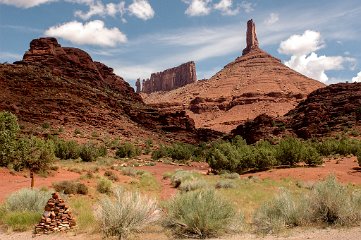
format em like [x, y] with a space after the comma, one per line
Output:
[169, 79]
[75, 63]
[65, 87]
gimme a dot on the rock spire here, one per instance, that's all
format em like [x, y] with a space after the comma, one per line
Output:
[252, 41]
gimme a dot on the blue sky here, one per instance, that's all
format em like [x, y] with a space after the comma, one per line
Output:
[320, 39]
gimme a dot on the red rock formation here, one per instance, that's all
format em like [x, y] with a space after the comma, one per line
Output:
[325, 112]
[251, 37]
[252, 84]
[65, 87]
[171, 78]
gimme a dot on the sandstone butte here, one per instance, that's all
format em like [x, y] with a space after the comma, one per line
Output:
[65, 88]
[253, 84]
[169, 79]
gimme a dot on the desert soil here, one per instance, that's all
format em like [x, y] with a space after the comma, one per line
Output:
[346, 170]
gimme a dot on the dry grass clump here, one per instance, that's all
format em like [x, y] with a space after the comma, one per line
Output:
[126, 212]
[70, 187]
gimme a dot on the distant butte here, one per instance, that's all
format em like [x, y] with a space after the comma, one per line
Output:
[253, 84]
[168, 79]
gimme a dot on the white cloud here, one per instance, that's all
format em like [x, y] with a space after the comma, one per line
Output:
[198, 7]
[226, 7]
[272, 19]
[357, 78]
[141, 9]
[247, 6]
[97, 8]
[306, 43]
[92, 33]
[25, 3]
[306, 61]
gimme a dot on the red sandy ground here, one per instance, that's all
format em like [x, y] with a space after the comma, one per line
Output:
[346, 170]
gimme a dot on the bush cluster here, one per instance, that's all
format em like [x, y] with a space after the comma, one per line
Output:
[328, 203]
[70, 187]
[67, 149]
[177, 151]
[127, 150]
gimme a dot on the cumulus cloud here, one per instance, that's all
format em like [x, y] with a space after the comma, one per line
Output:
[306, 61]
[272, 19]
[141, 9]
[198, 7]
[24, 3]
[91, 33]
[98, 8]
[306, 43]
[226, 7]
[357, 78]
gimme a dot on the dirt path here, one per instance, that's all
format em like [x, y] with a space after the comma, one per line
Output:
[296, 234]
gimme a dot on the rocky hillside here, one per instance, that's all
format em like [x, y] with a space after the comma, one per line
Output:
[64, 88]
[326, 111]
[253, 84]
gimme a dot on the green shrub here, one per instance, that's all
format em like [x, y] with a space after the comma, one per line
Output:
[21, 221]
[225, 184]
[70, 187]
[90, 152]
[66, 149]
[358, 155]
[9, 129]
[289, 151]
[199, 213]
[177, 151]
[104, 186]
[27, 200]
[127, 150]
[127, 212]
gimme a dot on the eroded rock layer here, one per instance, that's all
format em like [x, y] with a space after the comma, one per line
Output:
[325, 112]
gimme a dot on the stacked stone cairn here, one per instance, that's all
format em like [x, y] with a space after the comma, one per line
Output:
[56, 217]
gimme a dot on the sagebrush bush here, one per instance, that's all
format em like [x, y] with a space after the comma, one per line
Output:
[225, 184]
[191, 185]
[328, 203]
[230, 175]
[332, 203]
[281, 212]
[199, 213]
[111, 175]
[104, 186]
[66, 149]
[127, 150]
[181, 176]
[27, 200]
[70, 187]
[126, 212]
[129, 171]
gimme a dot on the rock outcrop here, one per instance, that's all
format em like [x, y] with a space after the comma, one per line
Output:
[251, 38]
[65, 88]
[326, 111]
[253, 84]
[169, 79]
